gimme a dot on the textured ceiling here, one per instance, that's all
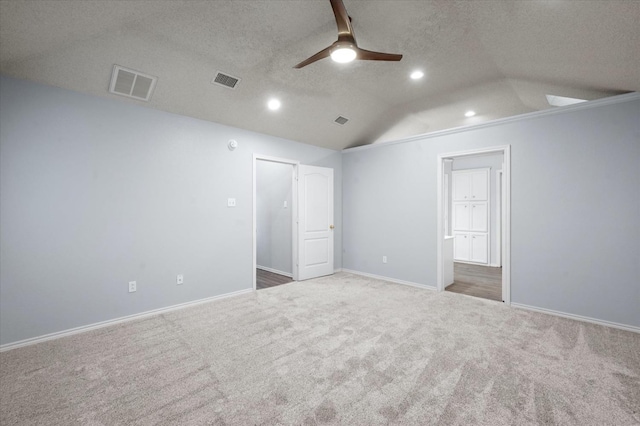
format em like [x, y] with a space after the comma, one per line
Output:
[498, 58]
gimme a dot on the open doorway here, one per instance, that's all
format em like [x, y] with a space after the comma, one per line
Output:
[274, 205]
[308, 209]
[473, 225]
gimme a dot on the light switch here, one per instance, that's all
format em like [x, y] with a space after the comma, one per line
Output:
[231, 202]
[285, 204]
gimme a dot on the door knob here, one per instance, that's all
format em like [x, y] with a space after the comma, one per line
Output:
[331, 226]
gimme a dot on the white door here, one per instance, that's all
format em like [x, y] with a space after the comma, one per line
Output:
[479, 246]
[461, 185]
[479, 217]
[460, 216]
[460, 246]
[315, 222]
[479, 185]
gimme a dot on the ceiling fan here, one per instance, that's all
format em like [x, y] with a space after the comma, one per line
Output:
[345, 49]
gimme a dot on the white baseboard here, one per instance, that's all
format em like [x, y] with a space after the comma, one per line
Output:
[393, 280]
[335, 271]
[102, 324]
[275, 271]
[577, 317]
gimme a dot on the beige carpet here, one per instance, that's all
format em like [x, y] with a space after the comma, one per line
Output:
[339, 350]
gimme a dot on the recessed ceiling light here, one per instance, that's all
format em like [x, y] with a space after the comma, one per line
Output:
[417, 75]
[274, 104]
[469, 113]
[343, 55]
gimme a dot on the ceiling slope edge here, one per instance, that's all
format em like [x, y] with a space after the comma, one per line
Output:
[618, 99]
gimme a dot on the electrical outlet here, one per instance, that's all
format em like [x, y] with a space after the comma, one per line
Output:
[231, 202]
[132, 286]
[180, 279]
[384, 259]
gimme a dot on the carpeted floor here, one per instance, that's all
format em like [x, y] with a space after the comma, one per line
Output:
[339, 350]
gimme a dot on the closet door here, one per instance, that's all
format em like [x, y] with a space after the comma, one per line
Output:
[460, 216]
[470, 215]
[461, 186]
[479, 185]
[479, 248]
[479, 217]
[461, 246]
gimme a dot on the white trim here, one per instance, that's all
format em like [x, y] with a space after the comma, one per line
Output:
[335, 271]
[497, 262]
[505, 244]
[470, 262]
[275, 271]
[626, 327]
[393, 280]
[506, 219]
[448, 218]
[102, 324]
[628, 97]
[294, 213]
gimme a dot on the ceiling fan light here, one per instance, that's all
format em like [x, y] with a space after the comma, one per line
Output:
[274, 104]
[343, 55]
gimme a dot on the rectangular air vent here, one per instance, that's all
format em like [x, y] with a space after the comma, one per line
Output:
[225, 80]
[341, 120]
[131, 83]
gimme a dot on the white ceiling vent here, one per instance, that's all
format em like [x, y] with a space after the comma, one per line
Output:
[341, 120]
[225, 80]
[132, 84]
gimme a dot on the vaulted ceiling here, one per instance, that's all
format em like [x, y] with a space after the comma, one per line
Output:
[498, 58]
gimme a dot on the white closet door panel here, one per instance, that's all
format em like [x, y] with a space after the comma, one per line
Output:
[479, 217]
[461, 246]
[479, 248]
[461, 216]
[461, 186]
[479, 185]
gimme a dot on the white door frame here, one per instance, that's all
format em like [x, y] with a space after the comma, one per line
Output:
[506, 217]
[294, 213]
[497, 262]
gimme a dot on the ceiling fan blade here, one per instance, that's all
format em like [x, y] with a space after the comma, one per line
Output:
[324, 53]
[347, 40]
[368, 55]
[342, 19]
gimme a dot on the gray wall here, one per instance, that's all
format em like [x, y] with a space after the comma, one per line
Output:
[96, 192]
[575, 206]
[494, 162]
[273, 220]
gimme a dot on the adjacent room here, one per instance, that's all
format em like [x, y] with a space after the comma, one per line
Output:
[274, 223]
[240, 212]
[473, 208]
